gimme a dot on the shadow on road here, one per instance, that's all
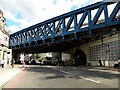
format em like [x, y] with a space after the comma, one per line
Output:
[55, 73]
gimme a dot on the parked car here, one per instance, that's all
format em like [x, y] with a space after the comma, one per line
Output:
[47, 61]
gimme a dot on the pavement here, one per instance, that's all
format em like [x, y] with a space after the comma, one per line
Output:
[103, 68]
[98, 68]
[7, 73]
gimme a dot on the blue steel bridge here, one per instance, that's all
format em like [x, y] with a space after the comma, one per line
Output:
[69, 30]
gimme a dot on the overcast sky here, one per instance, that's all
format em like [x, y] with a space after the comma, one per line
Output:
[20, 14]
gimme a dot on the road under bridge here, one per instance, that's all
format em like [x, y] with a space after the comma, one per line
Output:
[85, 37]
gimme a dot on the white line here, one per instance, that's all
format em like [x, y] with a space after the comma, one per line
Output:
[88, 79]
[65, 72]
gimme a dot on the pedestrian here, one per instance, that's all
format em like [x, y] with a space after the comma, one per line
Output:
[2, 63]
[100, 62]
[23, 63]
[12, 63]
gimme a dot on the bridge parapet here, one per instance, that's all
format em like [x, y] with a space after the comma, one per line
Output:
[68, 25]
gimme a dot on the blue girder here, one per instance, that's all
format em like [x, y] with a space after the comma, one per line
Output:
[46, 32]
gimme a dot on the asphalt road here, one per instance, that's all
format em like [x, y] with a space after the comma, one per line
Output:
[36, 76]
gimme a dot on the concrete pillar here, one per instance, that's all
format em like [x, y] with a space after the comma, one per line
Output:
[15, 56]
[72, 57]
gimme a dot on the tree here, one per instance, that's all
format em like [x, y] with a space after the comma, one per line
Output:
[41, 57]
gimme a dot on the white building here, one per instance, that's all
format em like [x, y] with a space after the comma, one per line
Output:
[5, 52]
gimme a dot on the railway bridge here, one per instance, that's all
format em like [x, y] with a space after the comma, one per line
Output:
[83, 36]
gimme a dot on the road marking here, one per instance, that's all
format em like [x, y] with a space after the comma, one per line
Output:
[88, 79]
[65, 72]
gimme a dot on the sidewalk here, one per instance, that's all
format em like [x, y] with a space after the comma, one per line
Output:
[98, 68]
[108, 68]
[101, 69]
[8, 73]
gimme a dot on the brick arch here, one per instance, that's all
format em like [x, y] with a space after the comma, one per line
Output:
[80, 57]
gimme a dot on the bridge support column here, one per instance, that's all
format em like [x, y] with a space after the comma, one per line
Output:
[72, 57]
[15, 56]
[68, 57]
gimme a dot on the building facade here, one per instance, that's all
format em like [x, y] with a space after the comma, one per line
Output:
[5, 52]
[105, 49]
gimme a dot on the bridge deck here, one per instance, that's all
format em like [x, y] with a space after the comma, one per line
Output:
[68, 30]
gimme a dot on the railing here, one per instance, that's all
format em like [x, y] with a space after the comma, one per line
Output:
[81, 20]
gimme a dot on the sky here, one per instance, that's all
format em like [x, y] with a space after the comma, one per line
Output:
[21, 14]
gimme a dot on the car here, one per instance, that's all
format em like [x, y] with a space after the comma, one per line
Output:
[47, 61]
